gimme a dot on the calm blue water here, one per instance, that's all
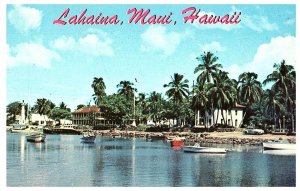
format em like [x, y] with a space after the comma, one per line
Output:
[64, 161]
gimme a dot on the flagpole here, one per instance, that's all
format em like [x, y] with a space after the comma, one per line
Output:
[133, 122]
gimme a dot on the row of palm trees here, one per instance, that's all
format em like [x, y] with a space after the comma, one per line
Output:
[213, 90]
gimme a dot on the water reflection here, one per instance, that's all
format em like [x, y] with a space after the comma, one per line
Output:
[137, 162]
[280, 152]
[22, 147]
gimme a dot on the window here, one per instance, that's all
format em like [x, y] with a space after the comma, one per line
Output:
[229, 122]
[236, 123]
[222, 121]
[235, 112]
[209, 122]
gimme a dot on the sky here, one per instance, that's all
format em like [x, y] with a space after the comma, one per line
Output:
[59, 62]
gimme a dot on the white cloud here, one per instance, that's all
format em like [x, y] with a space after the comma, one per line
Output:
[92, 44]
[63, 43]
[31, 54]
[24, 18]
[258, 23]
[156, 38]
[280, 48]
[212, 46]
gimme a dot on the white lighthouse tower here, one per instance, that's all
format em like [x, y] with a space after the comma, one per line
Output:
[23, 117]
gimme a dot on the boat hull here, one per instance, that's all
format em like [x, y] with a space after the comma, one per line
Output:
[177, 143]
[24, 131]
[279, 146]
[156, 138]
[68, 131]
[36, 138]
[90, 139]
[192, 149]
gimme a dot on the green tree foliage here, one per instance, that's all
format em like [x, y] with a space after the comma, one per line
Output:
[99, 87]
[207, 68]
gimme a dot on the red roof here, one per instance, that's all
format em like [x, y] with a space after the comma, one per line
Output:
[90, 109]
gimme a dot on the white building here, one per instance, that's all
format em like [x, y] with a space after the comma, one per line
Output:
[233, 117]
[40, 120]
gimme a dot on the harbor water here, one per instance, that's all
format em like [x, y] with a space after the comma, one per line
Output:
[64, 161]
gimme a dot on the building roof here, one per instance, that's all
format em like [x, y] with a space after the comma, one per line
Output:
[88, 109]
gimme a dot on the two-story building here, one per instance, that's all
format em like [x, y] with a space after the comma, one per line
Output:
[88, 115]
[233, 117]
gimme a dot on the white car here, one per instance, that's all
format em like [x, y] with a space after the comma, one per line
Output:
[254, 131]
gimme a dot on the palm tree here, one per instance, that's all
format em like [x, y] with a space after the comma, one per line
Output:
[249, 90]
[199, 101]
[222, 92]
[283, 77]
[208, 67]
[155, 101]
[273, 103]
[141, 107]
[284, 80]
[126, 89]
[99, 89]
[62, 105]
[178, 88]
[43, 106]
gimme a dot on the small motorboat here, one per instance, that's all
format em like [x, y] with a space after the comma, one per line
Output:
[156, 137]
[198, 149]
[88, 137]
[116, 135]
[279, 145]
[36, 138]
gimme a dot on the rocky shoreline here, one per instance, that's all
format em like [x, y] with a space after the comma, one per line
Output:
[216, 138]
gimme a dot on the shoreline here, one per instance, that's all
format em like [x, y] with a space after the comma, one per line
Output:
[211, 137]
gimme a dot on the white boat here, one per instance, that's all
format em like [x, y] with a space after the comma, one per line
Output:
[171, 138]
[279, 145]
[37, 138]
[198, 149]
[88, 137]
[27, 130]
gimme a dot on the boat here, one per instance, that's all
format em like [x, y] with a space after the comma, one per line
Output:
[156, 137]
[198, 149]
[116, 135]
[36, 138]
[279, 145]
[61, 130]
[177, 142]
[171, 138]
[88, 137]
[27, 130]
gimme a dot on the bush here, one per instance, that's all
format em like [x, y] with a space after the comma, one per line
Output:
[141, 127]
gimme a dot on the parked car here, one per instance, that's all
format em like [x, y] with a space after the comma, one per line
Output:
[253, 131]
